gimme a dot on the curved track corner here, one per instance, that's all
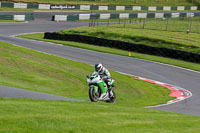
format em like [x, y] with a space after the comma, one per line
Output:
[178, 92]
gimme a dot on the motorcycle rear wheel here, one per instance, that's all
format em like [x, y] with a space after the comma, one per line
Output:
[93, 96]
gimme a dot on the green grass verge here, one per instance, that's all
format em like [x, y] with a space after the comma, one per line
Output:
[35, 116]
[15, 9]
[5, 21]
[31, 70]
[153, 34]
[75, 10]
[27, 69]
[116, 2]
[40, 36]
[32, 10]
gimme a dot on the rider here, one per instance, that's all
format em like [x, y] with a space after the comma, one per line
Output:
[104, 73]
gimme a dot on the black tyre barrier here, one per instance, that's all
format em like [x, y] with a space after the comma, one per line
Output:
[140, 48]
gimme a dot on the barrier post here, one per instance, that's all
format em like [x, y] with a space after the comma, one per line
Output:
[144, 23]
[191, 26]
[108, 22]
[129, 54]
[167, 24]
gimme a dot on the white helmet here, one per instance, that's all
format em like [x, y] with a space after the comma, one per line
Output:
[98, 67]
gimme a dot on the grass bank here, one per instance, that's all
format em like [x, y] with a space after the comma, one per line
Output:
[33, 116]
[169, 33]
[115, 2]
[40, 36]
[27, 69]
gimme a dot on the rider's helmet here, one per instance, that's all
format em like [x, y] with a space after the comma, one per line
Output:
[98, 67]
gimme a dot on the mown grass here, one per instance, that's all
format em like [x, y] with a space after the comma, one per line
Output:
[27, 69]
[15, 9]
[3, 21]
[33, 116]
[40, 36]
[153, 34]
[76, 10]
[117, 2]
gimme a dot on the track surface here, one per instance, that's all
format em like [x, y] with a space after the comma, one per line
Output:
[15, 92]
[160, 72]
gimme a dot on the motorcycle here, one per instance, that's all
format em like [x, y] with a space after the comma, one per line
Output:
[98, 89]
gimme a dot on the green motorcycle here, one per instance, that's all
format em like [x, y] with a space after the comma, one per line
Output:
[98, 89]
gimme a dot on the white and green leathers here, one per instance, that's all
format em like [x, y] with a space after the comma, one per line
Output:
[104, 73]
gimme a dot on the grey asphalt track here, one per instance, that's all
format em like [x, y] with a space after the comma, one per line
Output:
[172, 75]
[15, 92]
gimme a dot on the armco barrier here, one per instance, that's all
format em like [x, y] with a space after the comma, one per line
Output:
[140, 48]
[6, 17]
[29, 17]
[123, 16]
[26, 17]
[99, 7]
[6, 4]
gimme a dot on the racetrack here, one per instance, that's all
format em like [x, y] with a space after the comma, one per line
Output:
[15, 92]
[165, 73]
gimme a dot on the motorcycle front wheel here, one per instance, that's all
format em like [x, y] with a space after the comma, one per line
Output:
[93, 96]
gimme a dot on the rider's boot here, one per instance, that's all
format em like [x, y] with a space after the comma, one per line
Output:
[111, 93]
[110, 90]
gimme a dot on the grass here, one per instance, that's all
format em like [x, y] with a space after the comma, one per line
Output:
[122, 20]
[153, 34]
[117, 2]
[27, 69]
[40, 36]
[76, 10]
[5, 21]
[15, 9]
[33, 116]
